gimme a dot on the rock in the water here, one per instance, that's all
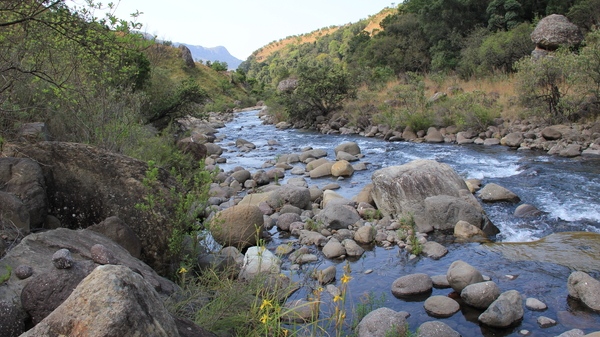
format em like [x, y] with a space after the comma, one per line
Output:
[322, 170]
[299, 311]
[513, 139]
[352, 248]
[436, 329]
[365, 234]
[440, 281]
[382, 322]
[545, 322]
[413, 284]
[461, 274]
[572, 333]
[350, 147]
[480, 295]
[585, 288]
[434, 136]
[504, 311]
[333, 249]
[312, 238]
[285, 220]
[111, 301]
[551, 133]
[338, 216]
[434, 250]
[573, 150]
[526, 211]
[464, 230]
[444, 211]
[535, 304]
[496, 193]
[237, 226]
[342, 168]
[259, 260]
[326, 275]
[290, 194]
[441, 306]
[401, 190]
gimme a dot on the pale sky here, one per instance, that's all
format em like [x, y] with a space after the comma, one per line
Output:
[242, 26]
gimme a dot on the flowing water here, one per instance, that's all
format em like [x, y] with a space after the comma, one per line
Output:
[566, 190]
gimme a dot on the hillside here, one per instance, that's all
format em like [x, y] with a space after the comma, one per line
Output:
[372, 24]
[213, 54]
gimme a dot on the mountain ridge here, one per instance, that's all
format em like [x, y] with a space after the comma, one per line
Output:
[212, 54]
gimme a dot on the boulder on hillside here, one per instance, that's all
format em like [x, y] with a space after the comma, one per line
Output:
[23, 178]
[86, 185]
[289, 84]
[187, 57]
[402, 190]
[554, 31]
[237, 226]
[188, 146]
[111, 301]
[117, 230]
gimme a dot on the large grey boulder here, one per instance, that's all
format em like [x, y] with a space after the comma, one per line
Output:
[496, 193]
[314, 154]
[513, 139]
[111, 301]
[382, 322]
[480, 295]
[23, 178]
[584, 288]
[350, 147]
[441, 306]
[434, 136]
[504, 311]
[259, 260]
[118, 231]
[554, 31]
[337, 216]
[436, 329]
[86, 185]
[401, 190]
[288, 84]
[187, 57]
[333, 249]
[290, 194]
[411, 285]
[434, 250]
[460, 274]
[444, 211]
[237, 226]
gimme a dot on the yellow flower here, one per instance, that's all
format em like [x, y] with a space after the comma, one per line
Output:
[182, 270]
[264, 304]
[285, 332]
[320, 289]
[337, 298]
[264, 318]
[346, 278]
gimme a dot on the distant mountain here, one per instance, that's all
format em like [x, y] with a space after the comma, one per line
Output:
[219, 53]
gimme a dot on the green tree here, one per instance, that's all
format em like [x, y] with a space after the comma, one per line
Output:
[219, 66]
[504, 14]
[321, 89]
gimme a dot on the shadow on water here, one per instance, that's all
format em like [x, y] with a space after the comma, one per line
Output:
[566, 190]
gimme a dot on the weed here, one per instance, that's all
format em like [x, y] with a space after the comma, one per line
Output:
[5, 277]
[368, 303]
[407, 232]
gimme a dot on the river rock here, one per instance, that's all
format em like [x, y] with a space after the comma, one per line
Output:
[259, 260]
[24, 178]
[554, 31]
[316, 163]
[118, 231]
[441, 306]
[130, 306]
[436, 329]
[342, 168]
[241, 176]
[312, 238]
[526, 211]
[299, 311]
[410, 285]
[86, 185]
[496, 193]
[14, 212]
[545, 322]
[352, 248]
[312, 154]
[535, 304]
[408, 134]
[464, 230]
[440, 281]
[350, 147]
[213, 149]
[550, 133]
[460, 274]
[382, 322]
[333, 249]
[434, 136]
[583, 287]
[285, 220]
[504, 311]
[237, 226]
[434, 250]
[572, 150]
[572, 333]
[341, 155]
[326, 275]
[491, 141]
[480, 295]
[401, 190]
[365, 234]
[323, 170]
[290, 194]
[102, 255]
[513, 139]
[444, 211]
[338, 216]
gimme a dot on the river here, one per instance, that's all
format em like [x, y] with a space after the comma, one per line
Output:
[567, 190]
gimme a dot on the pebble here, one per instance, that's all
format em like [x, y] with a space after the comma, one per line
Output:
[102, 255]
[368, 271]
[535, 304]
[511, 277]
[545, 322]
[524, 332]
[23, 271]
[62, 259]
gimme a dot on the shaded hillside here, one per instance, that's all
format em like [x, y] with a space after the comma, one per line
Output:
[213, 54]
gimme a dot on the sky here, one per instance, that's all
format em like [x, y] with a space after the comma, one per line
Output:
[242, 26]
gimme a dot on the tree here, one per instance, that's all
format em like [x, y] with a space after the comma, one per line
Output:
[321, 89]
[219, 66]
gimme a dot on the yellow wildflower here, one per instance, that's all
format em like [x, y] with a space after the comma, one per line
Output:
[264, 304]
[337, 298]
[346, 278]
[285, 332]
[182, 270]
[264, 318]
